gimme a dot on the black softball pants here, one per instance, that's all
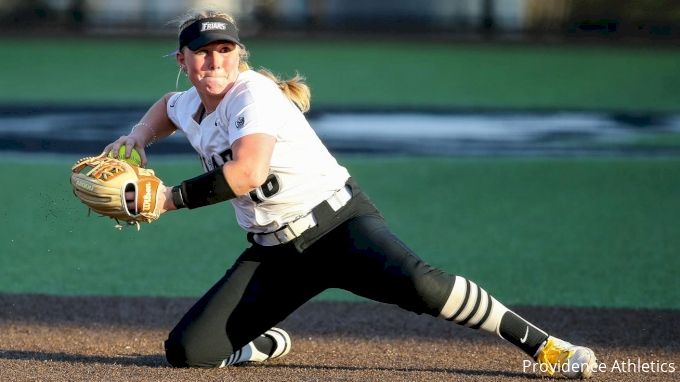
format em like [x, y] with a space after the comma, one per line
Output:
[266, 284]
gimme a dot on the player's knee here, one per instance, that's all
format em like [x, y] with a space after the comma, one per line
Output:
[175, 353]
[432, 288]
[180, 354]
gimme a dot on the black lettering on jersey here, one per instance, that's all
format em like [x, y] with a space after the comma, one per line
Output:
[205, 163]
[253, 196]
[268, 189]
[226, 155]
[222, 158]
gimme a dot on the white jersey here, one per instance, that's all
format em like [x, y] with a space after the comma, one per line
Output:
[302, 172]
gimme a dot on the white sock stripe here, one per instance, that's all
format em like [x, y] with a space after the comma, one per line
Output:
[454, 304]
[279, 348]
[480, 307]
[473, 311]
[247, 353]
[487, 311]
[471, 306]
[468, 302]
[231, 359]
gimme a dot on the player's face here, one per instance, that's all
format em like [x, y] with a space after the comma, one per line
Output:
[213, 67]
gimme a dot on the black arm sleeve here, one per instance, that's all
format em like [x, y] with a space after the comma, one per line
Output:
[209, 188]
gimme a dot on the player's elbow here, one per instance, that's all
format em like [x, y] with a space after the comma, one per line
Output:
[254, 179]
[242, 180]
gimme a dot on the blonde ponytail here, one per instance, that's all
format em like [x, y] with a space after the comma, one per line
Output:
[294, 88]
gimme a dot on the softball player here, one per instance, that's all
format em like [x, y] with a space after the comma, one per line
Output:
[310, 225]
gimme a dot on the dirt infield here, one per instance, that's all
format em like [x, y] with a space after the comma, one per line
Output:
[49, 338]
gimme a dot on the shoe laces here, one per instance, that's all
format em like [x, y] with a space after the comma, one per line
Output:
[553, 354]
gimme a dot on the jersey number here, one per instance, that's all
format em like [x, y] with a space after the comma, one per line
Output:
[213, 163]
[268, 189]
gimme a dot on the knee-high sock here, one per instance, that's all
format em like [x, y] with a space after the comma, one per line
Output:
[471, 306]
[256, 351]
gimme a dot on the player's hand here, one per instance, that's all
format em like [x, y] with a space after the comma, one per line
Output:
[101, 183]
[130, 201]
[130, 142]
[164, 200]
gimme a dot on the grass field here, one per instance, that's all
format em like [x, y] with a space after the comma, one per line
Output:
[603, 232]
[364, 74]
[533, 232]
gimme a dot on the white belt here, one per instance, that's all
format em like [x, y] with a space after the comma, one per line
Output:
[295, 228]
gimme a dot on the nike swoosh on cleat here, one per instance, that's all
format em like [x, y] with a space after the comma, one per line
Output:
[526, 335]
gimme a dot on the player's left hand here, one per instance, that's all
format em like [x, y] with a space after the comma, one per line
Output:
[119, 190]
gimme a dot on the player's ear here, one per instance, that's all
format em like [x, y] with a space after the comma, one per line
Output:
[180, 59]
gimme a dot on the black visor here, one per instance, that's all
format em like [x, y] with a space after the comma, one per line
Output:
[205, 31]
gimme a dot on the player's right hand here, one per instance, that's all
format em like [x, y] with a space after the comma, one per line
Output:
[130, 142]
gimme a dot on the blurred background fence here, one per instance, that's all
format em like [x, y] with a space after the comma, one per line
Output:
[467, 71]
[556, 20]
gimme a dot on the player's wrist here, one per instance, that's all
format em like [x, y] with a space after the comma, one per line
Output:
[166, 195]
[146, 133]
[177, 198]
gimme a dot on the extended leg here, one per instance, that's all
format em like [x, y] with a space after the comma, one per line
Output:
[471, 306]
[384, 269]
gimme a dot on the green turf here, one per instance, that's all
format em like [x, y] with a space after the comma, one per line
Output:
[655, 140]
[536, 232]
[365, 74]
